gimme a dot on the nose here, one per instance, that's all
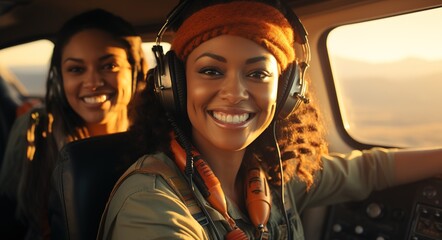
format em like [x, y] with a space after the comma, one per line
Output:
[93, 80]
[234, 89]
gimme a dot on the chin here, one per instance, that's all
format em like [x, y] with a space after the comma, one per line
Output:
[94, 119]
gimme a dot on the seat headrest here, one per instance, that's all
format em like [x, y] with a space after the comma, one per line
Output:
[85, 176]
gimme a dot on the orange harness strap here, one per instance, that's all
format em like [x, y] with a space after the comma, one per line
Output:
[258, 196]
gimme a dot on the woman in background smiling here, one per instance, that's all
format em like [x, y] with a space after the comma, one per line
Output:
[96, 68]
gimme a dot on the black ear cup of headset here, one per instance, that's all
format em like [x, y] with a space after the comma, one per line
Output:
[55, 83]
[170, 83]
[139, 78]
[291, 91]
[55, 88]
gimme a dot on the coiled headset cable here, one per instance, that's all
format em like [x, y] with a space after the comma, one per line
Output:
[189, 171]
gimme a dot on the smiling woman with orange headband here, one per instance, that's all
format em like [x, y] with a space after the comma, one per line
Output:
[229, 164]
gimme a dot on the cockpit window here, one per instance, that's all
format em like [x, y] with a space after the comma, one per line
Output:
[388, 78]
[29, 62]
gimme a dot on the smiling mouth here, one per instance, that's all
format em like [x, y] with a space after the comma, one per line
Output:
[231, 118]
[96, 99]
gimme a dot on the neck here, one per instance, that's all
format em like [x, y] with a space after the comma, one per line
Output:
[226, 165]
[97, 129]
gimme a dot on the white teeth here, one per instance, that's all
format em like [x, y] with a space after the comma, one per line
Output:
[228, 118]
[95, 99]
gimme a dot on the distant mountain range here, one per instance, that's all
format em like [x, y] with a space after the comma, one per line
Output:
[409, 68]
[407, 84]
[34, 78]
[392, 99]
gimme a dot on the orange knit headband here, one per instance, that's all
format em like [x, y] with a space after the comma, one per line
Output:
[259, 22]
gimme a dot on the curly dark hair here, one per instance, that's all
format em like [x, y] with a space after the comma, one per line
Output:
[150, 122]
[301, 139]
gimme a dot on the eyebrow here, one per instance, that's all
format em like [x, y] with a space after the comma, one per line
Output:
[108, 56]
[222, 59]
[100, 59]
[73, 60]
[211, 55]
[256, 59]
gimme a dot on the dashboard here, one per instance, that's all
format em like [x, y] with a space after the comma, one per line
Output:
[408, 212]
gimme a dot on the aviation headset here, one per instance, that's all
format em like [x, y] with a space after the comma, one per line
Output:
[170, 75]
[170, 78]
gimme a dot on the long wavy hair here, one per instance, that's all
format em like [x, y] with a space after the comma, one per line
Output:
[57, 123]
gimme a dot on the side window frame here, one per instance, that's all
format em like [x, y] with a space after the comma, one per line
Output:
[379, 93]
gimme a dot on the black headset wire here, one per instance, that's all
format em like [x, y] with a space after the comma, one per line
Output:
[281, 169]
[182, 139]
[300, 38]
[189, 170]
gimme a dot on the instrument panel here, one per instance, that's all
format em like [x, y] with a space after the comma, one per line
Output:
[407, 212]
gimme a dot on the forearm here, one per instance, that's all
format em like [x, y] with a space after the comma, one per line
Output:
[417, 164]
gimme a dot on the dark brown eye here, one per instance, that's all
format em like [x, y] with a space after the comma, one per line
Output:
[260, 75]
[75, 69]
[110, 67]
[210, 72]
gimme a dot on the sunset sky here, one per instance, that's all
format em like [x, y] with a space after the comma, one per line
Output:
[390, 39]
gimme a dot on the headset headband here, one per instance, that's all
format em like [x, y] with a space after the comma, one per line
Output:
[291, 93]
